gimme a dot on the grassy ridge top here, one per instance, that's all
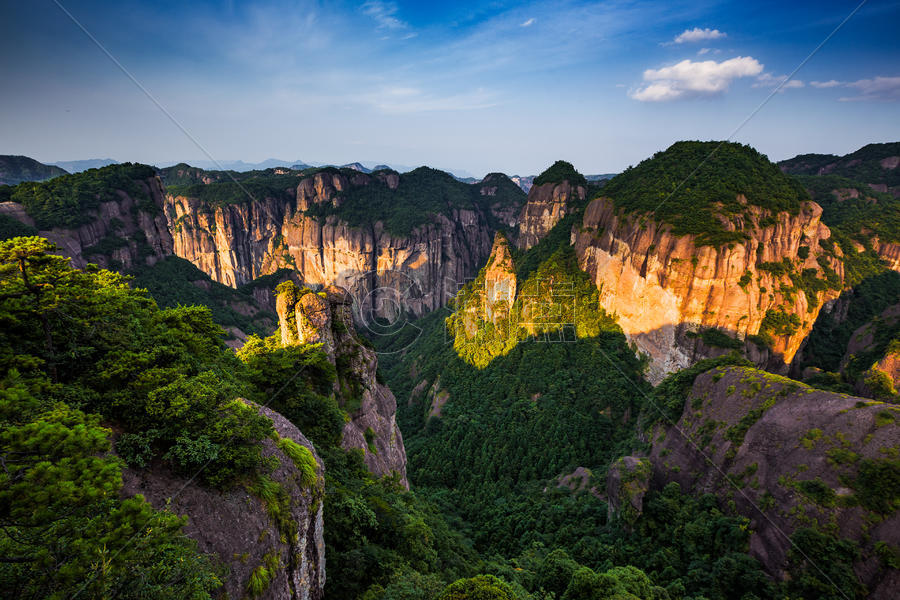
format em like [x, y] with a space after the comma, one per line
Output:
[692, 186]
[69, 200]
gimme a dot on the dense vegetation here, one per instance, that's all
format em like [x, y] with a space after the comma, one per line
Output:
[558, 172]
[78, 347]
[68, 200]
[549, 408]
[863, 165]
[420, 195]
[10, 228]
[491, 425]
[16, 169]
[185, 174]
[869, 213]
[807, 164]
[506, 195]
[830, 336]
[536, 411]
[557, 302]
[381, 540]
[173, 281]
[855, 214]
[81, 347]
[694, 187]
[241, 191]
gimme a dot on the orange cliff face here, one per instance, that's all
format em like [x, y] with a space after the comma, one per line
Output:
[546, 206]
[236, 243]
[499, 281]
[662, 287]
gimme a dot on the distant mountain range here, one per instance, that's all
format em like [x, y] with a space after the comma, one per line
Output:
[270, 163]
[77, 166]
[238, 165]
[13, 170]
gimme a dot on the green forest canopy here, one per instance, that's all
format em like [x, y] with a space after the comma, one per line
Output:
[68, 200]
[863, 165]
[691, 185]
[558, 172]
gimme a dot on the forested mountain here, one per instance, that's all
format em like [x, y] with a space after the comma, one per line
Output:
[578, 393]
[16, 169]
[875, 165]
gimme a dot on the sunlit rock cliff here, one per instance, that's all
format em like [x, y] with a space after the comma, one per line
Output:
[311, 227]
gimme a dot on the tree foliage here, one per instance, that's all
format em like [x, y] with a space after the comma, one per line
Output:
[69, 200]
[558, 172]
[64, 528]
[694, 187]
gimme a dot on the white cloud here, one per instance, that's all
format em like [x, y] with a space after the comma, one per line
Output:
[690, 79]
[876, 89]
[698, 35]
[703, 51]
[529, 22]
[826, 84]
[769, 80]
[880, 89]
[384, 14]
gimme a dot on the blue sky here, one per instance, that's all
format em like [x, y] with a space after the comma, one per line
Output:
[471, 86]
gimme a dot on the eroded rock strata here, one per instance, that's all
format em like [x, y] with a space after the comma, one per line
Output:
[385, 273]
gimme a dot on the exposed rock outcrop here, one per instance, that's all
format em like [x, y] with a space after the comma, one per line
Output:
[663, 287]
[888, 252]
[499, 281]
[123, 234]
[627, 481]
[385, 273]
[235, 525]
[326, 318]
[547, 204]
[793, 452]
